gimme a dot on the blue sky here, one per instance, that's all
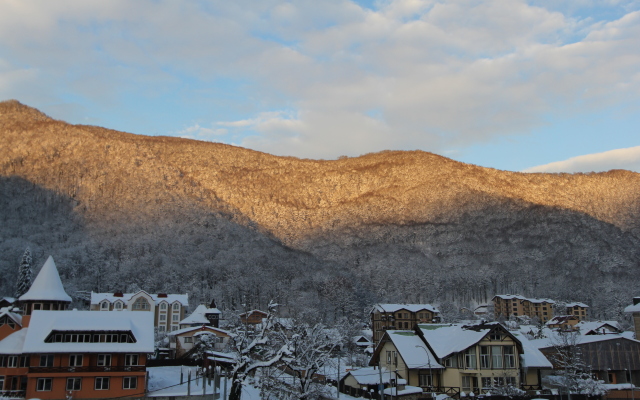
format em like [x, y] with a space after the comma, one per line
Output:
[547, 85]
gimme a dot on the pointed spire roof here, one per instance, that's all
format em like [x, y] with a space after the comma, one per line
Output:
[47, 285]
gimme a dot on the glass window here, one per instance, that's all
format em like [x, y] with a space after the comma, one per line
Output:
[425, 380]
[163, 317]
[75, 360]
[131, 359]
[104, 305]
[470, 358]
[104, 360]
[466, 383]
[176, 306]
[509, 357]
[496, 357]
[118, 305]
[161, 328]
[12, 362]
[74, 384]
[175, 317]
[102, 383]
[485, 357]
[129, 382]
[486, 382]
[188, 339]
[141, 304]
[46, 360]
[24, 361]
[163, 306]
[43, 384]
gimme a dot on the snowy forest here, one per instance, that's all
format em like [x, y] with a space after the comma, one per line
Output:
[122, 212]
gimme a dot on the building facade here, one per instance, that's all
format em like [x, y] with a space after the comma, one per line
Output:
[400, 316]
[508, 305]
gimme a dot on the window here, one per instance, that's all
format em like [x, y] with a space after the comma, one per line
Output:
[496, 357]
[43, 384]
[509, 357]
[118, 305]
[129, 382]
[406, 315]
[141, 304]
[163, 306]
[486, 382]
[104, 360]
[102, 383]
[498, 381]
[74, 384]
[188, 339]
[131, 359]
[75, 360]
[511, 380]
[46, 360]
[425, 380]
[485, 357]
[495, 337]
[37, 306]
[466, 383]
[451, 362]
[24, 361]
[175, 318]
[176, 306]
[174, 327]
[12, 361]
[388, 357]
[163, 317]
[470, 358]
[161, 328]
[104, 306]
[1, 383]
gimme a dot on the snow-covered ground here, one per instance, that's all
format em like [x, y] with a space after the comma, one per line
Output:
[165, 381]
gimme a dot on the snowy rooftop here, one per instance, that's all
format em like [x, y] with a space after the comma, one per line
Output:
[198, 315]
[47, 285]
[43, 322]
[632, 308]
[577, 304]
[532, 357]
[97, 298]
[413, 350]
[522, 298]
[598, 327]
[14, 316]
[408, 307]
[13, 343]
[371, 376]
[448, 339]
[197, 328]
[403, 392]
[554, 339]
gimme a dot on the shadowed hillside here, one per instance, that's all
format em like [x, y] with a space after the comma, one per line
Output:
[405, 226]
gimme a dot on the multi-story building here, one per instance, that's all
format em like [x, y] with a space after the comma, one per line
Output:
[400, 316]
[508, 305]
[50, 353]
[577, 309]
[168, 309]
[634, 310]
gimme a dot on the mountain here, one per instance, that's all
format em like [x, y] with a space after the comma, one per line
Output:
[120, 211]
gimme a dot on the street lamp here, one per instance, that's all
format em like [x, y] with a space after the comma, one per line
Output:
[430, 371]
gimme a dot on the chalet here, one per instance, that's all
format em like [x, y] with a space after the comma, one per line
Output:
[182, 341]
[456, 359]
[563, 322]
[400, 316]
[50, 353]
[634, 310]
[599, 328]
[202, 315]
[168, 309]
[253, 317]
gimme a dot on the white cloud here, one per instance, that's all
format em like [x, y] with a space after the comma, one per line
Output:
[201, 133]
[628, 158]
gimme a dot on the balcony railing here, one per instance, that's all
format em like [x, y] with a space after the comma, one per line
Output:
[12, 394]
[118, 368]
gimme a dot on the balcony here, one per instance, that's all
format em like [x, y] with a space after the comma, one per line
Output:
[118, 368]
[13, 394]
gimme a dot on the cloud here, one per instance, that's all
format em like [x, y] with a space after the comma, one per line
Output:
[200, 133]
[628, 158]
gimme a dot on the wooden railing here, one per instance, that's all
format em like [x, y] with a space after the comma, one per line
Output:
[117, 368]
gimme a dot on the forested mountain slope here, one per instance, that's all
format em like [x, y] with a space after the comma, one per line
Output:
[120, 211]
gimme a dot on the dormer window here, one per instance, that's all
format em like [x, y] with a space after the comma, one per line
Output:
[141, 304]
[118, 305]
[104, 306]
[176, 306]
[163, 306]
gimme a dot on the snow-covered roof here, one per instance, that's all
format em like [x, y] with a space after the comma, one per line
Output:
[17, 318]
[522, 298]
[632, 308]
[97, 298]
[554, 339]
[47, 285]
[371, 376]
[392, 391]
[408, 307]
[197, 328]
[198, 315]
[577, 304]
[13, 343]
[587, 327]
[413, 350]
[561, 319]
[532, 357]
[42, 323]
[448, 339]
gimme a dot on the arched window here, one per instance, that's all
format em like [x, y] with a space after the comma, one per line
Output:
[104, 305]
[118, 305]
[163, 306]
[141, 304]
[176, 306]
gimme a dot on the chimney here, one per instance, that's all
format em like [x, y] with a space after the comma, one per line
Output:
[162, 295]
[118, 294]
[636, 300]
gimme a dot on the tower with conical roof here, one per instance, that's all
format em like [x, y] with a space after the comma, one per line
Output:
[46, 292]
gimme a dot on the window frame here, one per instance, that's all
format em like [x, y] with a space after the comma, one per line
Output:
[105, 358]
[74, 381]
[127, 380]
[101, 380]
[129, 358]
[46, 358]
[41, 384]
[75, 358]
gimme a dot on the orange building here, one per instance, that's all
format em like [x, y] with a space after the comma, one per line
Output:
[50, 353]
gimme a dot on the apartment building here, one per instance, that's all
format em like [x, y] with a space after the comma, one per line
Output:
[400, 316]
[507, 305]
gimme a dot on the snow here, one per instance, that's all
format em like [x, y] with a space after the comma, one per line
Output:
[576, 304]
[47, 285]
[371, 376]
[17, 318]
[407, 390]
[532, 357]
[408, 307]
[413, 350]
[632, 308]
[43, 322]
[519, 297]
[448, 339]
[97, 298]
[197, 328]
[165, 382]
[13, 343]
[598, 326]
[198, 315]
[553, 339]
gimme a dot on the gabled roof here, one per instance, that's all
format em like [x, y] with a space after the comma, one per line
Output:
[413, 350]
[42, 323]
[532, 357]
[597, 327]
[371, 376]
[47, 285]
[577, 304]
[632, 308]
[97, 298]
[561, 319]
[13, 343]
[197, 328]
[198, 315]
[17, 318]
[445, 340]
[408, 307]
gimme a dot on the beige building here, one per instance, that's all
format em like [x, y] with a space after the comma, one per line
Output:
[634, 310]
[400, 316]
[577, 309]
[455, 358]
[508, 305]
[168, 309]
[183, 340]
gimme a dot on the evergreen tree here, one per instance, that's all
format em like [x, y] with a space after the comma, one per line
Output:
[24, 274]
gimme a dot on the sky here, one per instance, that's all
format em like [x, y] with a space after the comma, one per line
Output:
[537, 86]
